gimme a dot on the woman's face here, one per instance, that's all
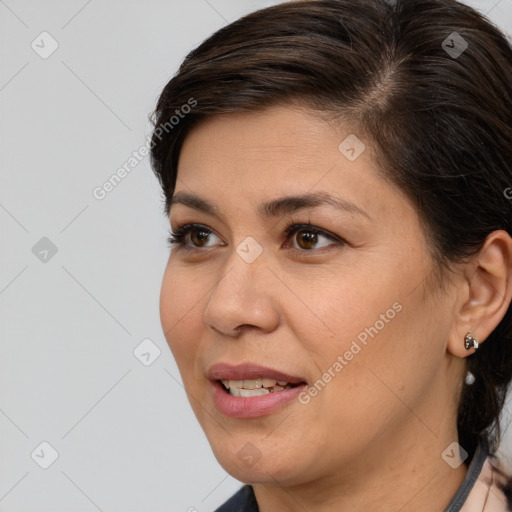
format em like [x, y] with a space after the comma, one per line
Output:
[340, 305]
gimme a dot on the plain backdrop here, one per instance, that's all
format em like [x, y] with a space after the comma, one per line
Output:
[92, 412]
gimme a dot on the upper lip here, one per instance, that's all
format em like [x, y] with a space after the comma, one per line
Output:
[246, 371]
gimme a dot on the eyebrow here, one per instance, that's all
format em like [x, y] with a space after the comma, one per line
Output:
[275, 207]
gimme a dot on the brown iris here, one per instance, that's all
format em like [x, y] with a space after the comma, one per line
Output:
[199, 237]
[307, 239]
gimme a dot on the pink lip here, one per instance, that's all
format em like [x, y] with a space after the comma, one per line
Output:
[250, 407]
[248, 371]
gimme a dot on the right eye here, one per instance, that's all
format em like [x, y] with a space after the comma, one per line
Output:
[191, 236]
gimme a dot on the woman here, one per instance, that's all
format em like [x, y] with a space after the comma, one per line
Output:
[338, 292]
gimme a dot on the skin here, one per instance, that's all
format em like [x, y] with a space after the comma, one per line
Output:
[372, 438]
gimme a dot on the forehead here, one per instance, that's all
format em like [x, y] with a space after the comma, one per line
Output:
[254, 157]
[265, 133]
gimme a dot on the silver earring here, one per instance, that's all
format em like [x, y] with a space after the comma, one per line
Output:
[470, 342]
[470, 378]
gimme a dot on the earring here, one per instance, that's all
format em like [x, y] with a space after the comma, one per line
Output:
[470, 378]
[470, 342]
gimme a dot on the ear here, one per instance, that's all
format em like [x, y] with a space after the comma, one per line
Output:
[485, 297]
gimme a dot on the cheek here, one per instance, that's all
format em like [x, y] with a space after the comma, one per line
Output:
[342, 305]
[388, 359]
[180, 305]
[376, 325]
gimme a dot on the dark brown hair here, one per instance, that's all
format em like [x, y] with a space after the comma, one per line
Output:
[440, 123]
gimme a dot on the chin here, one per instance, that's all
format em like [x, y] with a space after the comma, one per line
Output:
[252, 460]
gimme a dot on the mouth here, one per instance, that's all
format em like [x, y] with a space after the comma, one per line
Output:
[255, 387]
[249, 390]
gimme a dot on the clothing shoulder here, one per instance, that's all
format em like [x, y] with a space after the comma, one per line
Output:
[242, 501]
[491, 491]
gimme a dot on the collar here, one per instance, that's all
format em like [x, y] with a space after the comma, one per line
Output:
[474, 471]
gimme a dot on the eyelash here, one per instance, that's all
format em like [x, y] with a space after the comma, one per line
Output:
[177, 237]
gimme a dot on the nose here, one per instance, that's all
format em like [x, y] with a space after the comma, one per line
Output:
[242, 299]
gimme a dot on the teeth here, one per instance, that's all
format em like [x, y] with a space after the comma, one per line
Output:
[253, 392]
[252, 384]
[254, 387]
[269, 383]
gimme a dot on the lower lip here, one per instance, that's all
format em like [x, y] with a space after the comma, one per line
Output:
[254, 406]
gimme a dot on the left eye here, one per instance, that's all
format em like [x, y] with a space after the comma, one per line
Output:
[308, 237]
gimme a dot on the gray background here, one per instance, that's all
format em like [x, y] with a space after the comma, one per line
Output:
[124, 433]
